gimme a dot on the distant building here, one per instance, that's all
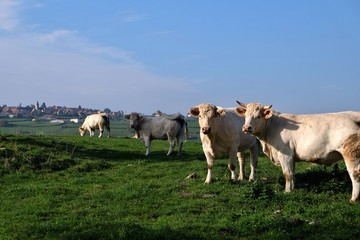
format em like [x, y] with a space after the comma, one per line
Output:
[74, 120]
[57, 121]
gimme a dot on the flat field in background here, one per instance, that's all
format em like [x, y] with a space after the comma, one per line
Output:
[119, 128]
[72, 187]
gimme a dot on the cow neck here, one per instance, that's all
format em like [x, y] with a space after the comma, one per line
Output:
[264, 136]
[141, 124]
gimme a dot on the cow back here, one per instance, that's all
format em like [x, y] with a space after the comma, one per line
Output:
[160, 127]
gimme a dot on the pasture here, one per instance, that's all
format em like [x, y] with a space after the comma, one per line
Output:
[72, 187]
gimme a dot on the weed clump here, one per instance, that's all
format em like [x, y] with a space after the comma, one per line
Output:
[23, 154]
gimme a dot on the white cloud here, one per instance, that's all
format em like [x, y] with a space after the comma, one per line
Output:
[130, 16]
[71, 41]
[63, 68]
[9, 14]
[55, 36]
[60, 68]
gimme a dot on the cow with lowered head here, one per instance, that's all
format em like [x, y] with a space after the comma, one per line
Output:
[93, 121]
[164, 127]
[220, 133]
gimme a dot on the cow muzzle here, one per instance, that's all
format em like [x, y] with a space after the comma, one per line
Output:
[206, 130]
[247, 129]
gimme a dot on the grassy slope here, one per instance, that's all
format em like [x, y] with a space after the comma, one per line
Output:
[66, 187]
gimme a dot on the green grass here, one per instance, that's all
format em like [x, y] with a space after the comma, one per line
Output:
[72, 187]
[119, 128]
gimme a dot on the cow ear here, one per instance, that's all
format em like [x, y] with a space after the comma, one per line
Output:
[194, 111]
[221, 112]
[241, 111]
[267, 112]
[127, 116]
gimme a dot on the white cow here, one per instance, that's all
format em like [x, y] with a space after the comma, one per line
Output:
[93, 121]
[220, 133]
[318, 138]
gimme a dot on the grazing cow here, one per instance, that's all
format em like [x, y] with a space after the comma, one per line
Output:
[318, 138]
[220, 133]
[93, 121]
[170, 127]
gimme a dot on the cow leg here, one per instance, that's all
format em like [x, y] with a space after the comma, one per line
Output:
[180, 141]
[92, 132]
[353, 168]
[108, 129]
[231, 165]
[171, 148]
[172, 145]
[148, 145]
[210, 163]
[288, 168]
[180, 148]
[240, 157]
[101, 131]
[253, 162]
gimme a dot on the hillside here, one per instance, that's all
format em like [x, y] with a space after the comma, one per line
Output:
[69, 187]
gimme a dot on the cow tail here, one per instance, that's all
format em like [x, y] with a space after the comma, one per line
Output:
[185, 127]
[107, 121]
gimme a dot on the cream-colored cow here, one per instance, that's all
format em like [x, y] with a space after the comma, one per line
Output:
[93, 121]
[220, 133]
[318, 138]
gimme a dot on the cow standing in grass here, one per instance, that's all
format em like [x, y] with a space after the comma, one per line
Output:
[220, 133]
[93, 121]
[317, 138]
[164, 127]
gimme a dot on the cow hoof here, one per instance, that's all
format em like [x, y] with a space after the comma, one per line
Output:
[353, 200]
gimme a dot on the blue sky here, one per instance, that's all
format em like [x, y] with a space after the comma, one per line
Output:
[299, 56]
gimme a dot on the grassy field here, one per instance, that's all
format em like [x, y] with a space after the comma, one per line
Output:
[119, 128]
[72, 187]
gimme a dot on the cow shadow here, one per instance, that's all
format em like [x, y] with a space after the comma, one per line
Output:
[327, 179]
[160, 156]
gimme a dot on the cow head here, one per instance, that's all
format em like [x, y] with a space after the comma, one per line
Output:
[255, 117]
[207, 114]
[82, 131]
[134, 119]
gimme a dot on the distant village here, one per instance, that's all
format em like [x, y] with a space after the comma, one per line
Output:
[37, 112]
